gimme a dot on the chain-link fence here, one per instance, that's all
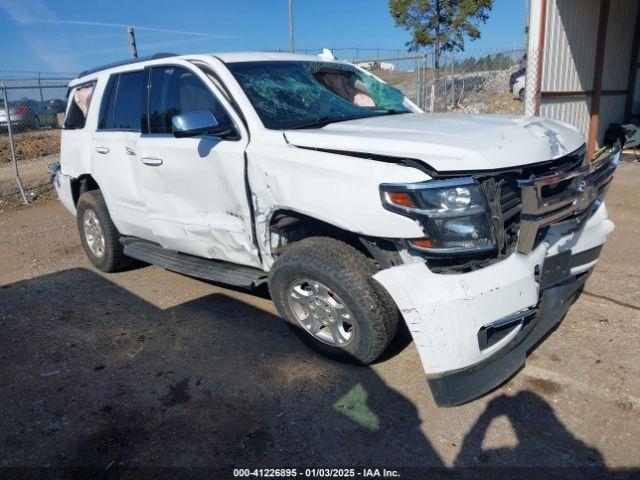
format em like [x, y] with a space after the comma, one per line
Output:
[31, 114]
[482, 81]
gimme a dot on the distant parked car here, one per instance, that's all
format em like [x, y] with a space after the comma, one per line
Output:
[518, 87]
[33, 116]
[514, 77]
[57, 105]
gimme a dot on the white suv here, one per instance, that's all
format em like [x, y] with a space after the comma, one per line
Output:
[355, 206]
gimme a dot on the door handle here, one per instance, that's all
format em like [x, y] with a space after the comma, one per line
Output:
[129, 151]
[152, 161]
[102, 150]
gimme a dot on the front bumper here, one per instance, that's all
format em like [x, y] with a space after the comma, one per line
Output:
[468, 383]
[449, 314]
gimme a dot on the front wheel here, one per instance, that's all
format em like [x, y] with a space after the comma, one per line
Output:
[325, 290]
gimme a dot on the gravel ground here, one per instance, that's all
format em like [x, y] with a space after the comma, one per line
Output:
[147, 367]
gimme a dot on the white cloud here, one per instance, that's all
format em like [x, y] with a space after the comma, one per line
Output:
[38, 42]
[55, 48]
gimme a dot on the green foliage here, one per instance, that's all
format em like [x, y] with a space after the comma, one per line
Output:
[442, 24]
[497, 61]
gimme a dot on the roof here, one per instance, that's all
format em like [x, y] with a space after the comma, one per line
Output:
[227, 57]
[234, 57]
[129, 61]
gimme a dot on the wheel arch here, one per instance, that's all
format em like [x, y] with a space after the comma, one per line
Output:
[84, 183]
[287, 226]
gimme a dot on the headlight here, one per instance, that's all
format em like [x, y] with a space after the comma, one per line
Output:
[453, 213]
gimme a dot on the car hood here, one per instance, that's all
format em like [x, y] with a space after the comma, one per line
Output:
[449, 141]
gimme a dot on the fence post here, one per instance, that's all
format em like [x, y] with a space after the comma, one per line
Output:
[417, 80]
[453, 83]
[11, 145]
[432, 96]
[40, 88]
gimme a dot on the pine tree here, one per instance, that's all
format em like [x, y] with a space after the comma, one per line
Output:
[441, 24]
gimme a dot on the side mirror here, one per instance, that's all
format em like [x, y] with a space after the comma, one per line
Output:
[196, 123]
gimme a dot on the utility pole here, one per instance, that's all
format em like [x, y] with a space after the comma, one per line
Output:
[293, 48]
[132, 42]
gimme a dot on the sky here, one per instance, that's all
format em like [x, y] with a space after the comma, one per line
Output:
[72, 35]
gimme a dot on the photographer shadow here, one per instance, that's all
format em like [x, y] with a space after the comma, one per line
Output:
[541, 438]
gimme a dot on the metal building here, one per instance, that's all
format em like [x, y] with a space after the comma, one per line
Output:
[582, 63]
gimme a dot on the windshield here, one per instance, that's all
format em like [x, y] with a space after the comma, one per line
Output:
[312, 94]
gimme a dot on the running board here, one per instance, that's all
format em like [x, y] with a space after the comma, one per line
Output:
[214, 270]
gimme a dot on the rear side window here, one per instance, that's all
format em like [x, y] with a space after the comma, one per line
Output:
[125, 102]
[79, 106]
[108, 99]
[176, 90]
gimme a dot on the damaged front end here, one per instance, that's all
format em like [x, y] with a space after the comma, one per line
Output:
[502, 260]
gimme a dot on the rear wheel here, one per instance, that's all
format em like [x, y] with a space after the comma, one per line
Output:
[35, 124]
[325, 290]
[100, 238]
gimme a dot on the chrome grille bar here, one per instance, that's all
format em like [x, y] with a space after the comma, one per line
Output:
[563, 198]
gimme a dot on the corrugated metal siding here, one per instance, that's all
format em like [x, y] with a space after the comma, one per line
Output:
[572, 111]
[617, 56]
[611, 111]
[570, 42]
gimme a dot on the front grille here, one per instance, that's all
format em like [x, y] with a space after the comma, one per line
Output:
[562, 196]
[524, 203]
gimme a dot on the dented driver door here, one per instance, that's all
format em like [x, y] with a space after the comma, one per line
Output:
[194, 188]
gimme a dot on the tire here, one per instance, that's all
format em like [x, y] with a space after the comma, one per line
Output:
[105, 253]
[347, 273]
[35, 124]
[521, 94]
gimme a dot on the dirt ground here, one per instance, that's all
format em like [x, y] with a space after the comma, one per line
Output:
[30, 144]
[151, 368]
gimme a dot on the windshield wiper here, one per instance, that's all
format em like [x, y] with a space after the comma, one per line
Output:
[323, 121]
[391, 111]
[318, 122]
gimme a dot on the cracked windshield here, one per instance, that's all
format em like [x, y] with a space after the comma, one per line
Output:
[312, 94]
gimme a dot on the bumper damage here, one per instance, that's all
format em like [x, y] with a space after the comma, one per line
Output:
[62, 184]
[473, 330]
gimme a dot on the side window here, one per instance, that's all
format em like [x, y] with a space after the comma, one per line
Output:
[176, 90]
[124, 102]
[79, 106]
[108, 99]
[131, 101]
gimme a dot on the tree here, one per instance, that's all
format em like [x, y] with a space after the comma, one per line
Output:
[441, 24]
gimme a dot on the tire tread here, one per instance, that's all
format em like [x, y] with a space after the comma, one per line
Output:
[114, 258]
[349, 267]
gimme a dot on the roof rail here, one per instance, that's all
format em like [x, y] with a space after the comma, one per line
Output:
[130, 61]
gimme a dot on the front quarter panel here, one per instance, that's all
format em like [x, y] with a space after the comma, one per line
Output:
[340, 190]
